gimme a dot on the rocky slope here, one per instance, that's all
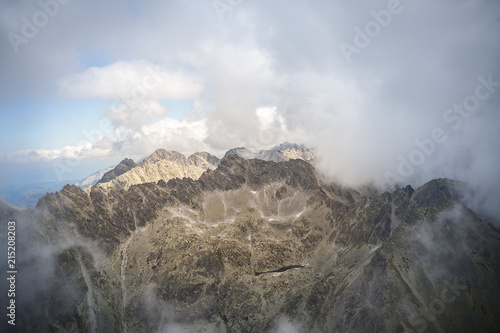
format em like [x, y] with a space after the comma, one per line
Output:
[93, 178]
[162, 164]
[118, 170]
[254, 244]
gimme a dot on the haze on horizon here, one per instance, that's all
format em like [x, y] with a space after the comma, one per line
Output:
[387, 91]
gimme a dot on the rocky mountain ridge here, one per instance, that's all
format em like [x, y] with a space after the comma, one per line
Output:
[93, 178]
[161, 165]
[116, 171]
[166, 165]
[255, 242]
[280, 153]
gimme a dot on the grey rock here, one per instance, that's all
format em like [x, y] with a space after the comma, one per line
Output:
[120, 169]
[254, 241]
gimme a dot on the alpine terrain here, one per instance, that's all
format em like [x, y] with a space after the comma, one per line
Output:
[252, 242]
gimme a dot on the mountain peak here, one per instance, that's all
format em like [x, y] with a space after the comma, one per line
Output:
[161, 165]
[287, 145]
[120, 169]
[163, 154]
[203, 160]
[438, 193]
[241, 151]
[280, 153]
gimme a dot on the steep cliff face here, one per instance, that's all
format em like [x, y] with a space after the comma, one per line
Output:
[255, 242]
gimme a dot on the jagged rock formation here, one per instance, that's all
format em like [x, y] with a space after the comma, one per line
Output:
[280, 153]
[254, 241]
[294, 151]
[161, 165]
[118, 170]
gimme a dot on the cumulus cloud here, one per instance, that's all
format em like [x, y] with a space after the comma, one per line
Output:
[129, 81]
[180, 135]
[185, 136]
[241, 79]
[134, 112]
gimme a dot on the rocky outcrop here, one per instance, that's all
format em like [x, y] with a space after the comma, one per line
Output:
[280, 153]
[118, 170]
[294, 151]
[252, 242]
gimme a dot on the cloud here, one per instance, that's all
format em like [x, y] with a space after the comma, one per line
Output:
[241, 79]
[185, 136]
[129, 81]
[32, 155]
[271, 72]
[285, 326]
[134, 112]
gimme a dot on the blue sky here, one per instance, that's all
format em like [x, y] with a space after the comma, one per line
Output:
[46, 123]
[363, 83]
[51, 123]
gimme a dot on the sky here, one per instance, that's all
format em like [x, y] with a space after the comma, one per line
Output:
[388, 92]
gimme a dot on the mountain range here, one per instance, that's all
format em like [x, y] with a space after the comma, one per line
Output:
[166, 165]
[253, 242]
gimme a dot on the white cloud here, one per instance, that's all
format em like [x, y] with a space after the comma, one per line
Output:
[185, 136]
[242, 79]
[266, 116]
[132, 80]
[134, 113]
